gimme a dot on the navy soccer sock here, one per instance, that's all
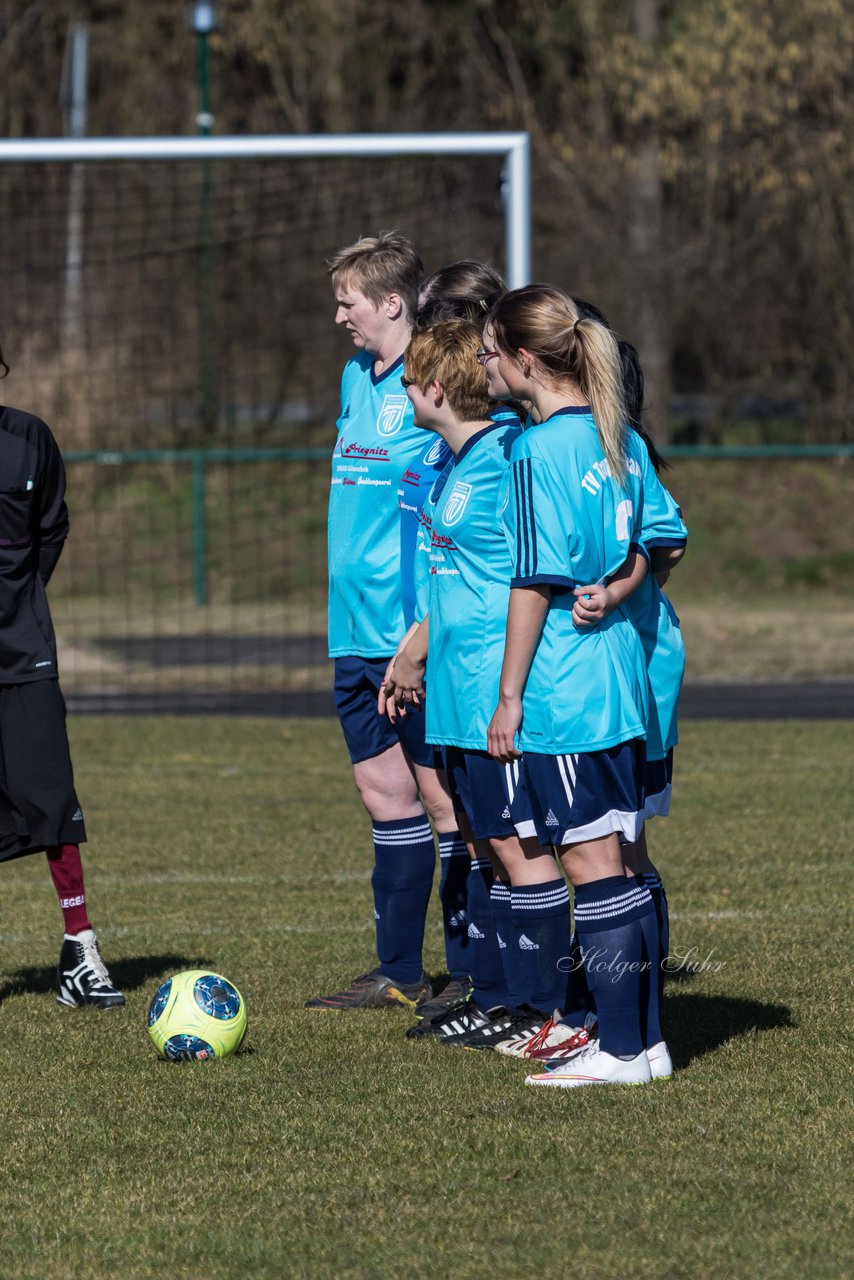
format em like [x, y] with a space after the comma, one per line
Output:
[501, 900]
[483, 956]
[404, 859]
[659, 901]
[541, 938]
[577, 1001]
[608, 916]
[453, 892]
[649, 989]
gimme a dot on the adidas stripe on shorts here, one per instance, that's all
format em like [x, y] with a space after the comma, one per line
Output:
[584, 796]
[492, 795]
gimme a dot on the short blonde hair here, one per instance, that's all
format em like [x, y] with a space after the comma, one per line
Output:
[379, 265]
[447, 353]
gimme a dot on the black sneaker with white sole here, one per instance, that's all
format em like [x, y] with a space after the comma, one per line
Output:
[83, 976]
[464, 1018]
[503, 1024]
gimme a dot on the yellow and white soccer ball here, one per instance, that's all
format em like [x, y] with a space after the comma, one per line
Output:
[197, 1015]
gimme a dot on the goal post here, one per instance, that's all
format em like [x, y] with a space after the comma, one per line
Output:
[515, 148]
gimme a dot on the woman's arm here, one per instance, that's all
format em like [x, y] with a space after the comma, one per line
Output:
[595, 602]
[525, 617]
[664, 560]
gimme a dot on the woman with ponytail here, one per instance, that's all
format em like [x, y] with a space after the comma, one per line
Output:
[573, 697]
[664, 537]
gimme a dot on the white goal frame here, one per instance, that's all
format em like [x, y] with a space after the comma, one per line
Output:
[515, 148]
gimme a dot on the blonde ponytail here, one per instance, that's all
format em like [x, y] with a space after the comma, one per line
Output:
[568, 347]
[600, 377]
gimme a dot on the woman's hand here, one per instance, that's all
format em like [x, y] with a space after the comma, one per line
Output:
[381, 696]
[592, 604]
[501, 734]
[404, 686]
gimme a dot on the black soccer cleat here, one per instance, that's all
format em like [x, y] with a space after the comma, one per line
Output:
[83, 976]
[453, 996]
[503, 1024]
[374, 991]
[464, 1018]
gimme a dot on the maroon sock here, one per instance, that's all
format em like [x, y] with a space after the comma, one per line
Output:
[66, 870]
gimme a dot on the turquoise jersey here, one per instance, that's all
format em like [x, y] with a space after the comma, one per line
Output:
[463, 555]
[376, 441]
[423, 543]
[653, 615]
[413, 491]
[568, 524]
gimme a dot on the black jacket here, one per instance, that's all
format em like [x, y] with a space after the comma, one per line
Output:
[33, 529]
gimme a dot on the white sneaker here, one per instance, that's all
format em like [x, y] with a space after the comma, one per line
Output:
[594, 1066]
[660, 1062]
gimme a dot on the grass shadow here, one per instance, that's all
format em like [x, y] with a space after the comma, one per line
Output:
[127, 974]
[698, 1024]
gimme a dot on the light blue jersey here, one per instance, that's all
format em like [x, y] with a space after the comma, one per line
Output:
[423, 542]
[653, 615]
[568, 524]
[376, 441]
[463, 557]
[412, 492]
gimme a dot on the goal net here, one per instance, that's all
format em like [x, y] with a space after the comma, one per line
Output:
[172, 321]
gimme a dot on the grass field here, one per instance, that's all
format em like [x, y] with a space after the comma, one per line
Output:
[334, 1148]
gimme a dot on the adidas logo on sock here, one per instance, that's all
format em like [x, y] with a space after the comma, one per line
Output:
[525, 943]
[506, 813]
[551, 820]
[474, 932]
[376, 914]
[502, 945]
[457, 920]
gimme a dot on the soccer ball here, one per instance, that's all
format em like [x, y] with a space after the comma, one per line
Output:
[197, 1015]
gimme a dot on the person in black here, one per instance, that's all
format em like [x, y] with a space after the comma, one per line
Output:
[39, 809]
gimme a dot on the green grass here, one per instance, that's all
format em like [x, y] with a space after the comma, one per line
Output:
[333, 1147]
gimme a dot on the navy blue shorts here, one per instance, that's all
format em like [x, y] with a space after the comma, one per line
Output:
[658, 786]
[585, 796]
[491, 794]
[366, 732]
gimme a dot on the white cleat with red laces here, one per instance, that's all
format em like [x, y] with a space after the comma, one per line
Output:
[557, 1040]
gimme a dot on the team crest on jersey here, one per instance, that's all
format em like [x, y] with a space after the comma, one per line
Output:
[456, 504]
[433, 454]
[391, 415]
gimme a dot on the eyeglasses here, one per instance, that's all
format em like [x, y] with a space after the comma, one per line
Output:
[407, 382]
[484, 356]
